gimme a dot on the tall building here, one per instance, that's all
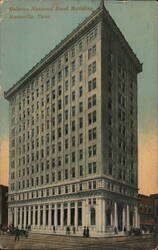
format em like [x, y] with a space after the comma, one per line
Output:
[3, 205]
[73, 134]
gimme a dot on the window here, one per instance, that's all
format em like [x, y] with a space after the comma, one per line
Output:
[73, 66]
[59, 90]
[92, 134]
[59, 104]
[66, 144]
[59, 76]
[73, 188]
[66, 114]
[81, 170]
[59, 132]
[92, 150]
[53, 81]
[66, 57]
[73, 125]
[66, 99]
[53, 177]
[73, 141]
[81, 107]
[80, 122]
[66, 85]
[92, 84]
[73, 157]
[73, 80]
[73, 96]
[66, 159]
[66, 174]
[80, 75]
[92, 117]
[80, 60]
[92, 168]
[66, 71]
[91, 68]
[73, 111]
[59, 175]
[91, 51]
[91, 101]
[81, 154]
[66, 129]
[80, 138]
[59, 118]
[80, 91]
[73, 172]
[93, 216]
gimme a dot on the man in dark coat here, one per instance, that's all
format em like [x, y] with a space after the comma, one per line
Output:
[17, 232]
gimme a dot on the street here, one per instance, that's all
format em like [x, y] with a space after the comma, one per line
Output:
[41, 241]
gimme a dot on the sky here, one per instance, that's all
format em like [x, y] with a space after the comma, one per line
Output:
[24, 41]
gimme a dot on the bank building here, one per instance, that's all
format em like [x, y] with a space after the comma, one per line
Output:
[73, 135]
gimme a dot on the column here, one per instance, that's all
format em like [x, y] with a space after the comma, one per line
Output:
[111, 217]
[115, 215]
[76, 215]
[55, 215]
[15, 217]
[33, 216]
[123, 219]
[68, 214]
[9, 216]
[62, 215]
[38, 219]
[99, 213]
[104, 217]
[24, 217]
[84, 213]
[50, 216]
[87, 214]
[128, 226]
[29, 216]
[20, 217]
[44, 216]
[138, 219]
[135, 216]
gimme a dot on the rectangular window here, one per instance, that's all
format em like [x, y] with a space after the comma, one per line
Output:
[80, 75]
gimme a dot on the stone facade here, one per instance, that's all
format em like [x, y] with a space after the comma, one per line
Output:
[73, 134]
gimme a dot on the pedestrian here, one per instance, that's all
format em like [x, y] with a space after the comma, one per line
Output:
[54, 229]
[87, 232]
[17, 232]
[84, 231]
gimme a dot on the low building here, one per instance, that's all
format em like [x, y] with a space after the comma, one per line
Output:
[155, 198]
[3, 205]
[148, 209]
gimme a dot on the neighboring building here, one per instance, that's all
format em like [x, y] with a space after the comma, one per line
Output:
[73, 134]
[3, 205]
[155, 198]
[148, 210]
